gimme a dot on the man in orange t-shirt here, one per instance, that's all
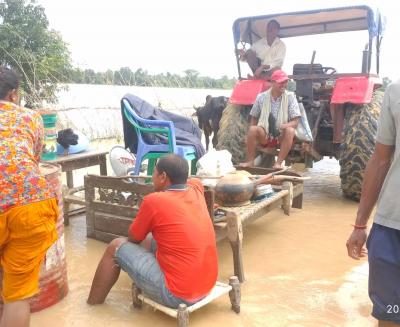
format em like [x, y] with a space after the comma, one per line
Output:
[180, 263]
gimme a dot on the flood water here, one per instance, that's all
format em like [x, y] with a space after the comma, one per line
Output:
[296, 267]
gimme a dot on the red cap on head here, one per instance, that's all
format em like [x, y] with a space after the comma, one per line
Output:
[279, 76]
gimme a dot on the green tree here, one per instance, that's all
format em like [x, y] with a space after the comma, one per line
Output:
[76, 75]
[109, 77]
[140, 77]
[191, 76]
[126, 75]
[89, 76]
[31, 48]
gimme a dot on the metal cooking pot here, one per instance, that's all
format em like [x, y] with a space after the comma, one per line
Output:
[237, 188]
[234, 189]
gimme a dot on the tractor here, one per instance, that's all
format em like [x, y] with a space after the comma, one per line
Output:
[342, 109]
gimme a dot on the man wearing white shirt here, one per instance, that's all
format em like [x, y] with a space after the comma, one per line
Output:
[267, 54]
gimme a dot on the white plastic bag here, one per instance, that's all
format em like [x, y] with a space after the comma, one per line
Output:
[215, 163]
[303, 131]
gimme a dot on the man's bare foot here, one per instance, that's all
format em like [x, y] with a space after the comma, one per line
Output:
[247, 164]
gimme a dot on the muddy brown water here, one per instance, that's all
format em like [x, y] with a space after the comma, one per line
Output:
[296, 267]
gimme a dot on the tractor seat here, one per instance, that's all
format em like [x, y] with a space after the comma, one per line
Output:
[306, 69]
[304, 87]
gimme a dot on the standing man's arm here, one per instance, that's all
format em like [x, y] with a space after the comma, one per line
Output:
[374, 176]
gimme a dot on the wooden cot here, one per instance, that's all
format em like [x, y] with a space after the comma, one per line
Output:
[112, 203]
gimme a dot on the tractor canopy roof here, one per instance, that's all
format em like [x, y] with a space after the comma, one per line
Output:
[330, 20]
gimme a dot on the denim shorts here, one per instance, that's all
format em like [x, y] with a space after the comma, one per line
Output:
[142, 266]
[384, 272]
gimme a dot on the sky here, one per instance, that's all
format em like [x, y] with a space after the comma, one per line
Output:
[174, 35]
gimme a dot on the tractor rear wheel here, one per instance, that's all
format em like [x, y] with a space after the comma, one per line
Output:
[361, 124]
[232, 132]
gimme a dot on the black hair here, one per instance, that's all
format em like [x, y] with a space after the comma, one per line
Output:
[274, 21]
[176, 168]
[9, 80]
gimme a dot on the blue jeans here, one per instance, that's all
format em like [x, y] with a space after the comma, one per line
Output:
[142, 266]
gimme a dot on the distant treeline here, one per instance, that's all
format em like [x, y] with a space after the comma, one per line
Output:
[140, 77]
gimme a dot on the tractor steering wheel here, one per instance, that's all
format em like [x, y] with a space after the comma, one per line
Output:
[329, 70]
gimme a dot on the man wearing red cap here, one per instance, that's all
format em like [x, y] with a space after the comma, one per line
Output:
[274, 118]
[267, 54]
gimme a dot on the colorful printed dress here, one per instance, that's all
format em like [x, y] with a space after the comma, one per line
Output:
[21, 136]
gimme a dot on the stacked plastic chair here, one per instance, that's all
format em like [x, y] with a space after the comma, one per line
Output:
[151, 152]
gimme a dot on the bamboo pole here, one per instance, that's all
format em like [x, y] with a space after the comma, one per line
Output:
[216, 177]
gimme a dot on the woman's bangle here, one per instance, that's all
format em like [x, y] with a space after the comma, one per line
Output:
[359, 226]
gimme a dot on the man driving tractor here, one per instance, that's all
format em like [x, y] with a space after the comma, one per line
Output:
[267, 54]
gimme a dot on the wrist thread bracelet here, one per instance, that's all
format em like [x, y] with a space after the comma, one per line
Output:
[359, 226]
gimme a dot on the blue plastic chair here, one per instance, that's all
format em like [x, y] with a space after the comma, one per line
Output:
[152, 152]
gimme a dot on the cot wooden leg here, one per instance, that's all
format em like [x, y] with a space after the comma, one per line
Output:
[235, 236]
[234, 294]
[287, 200]
[183, 315]
[137, 303]
[298, 202]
